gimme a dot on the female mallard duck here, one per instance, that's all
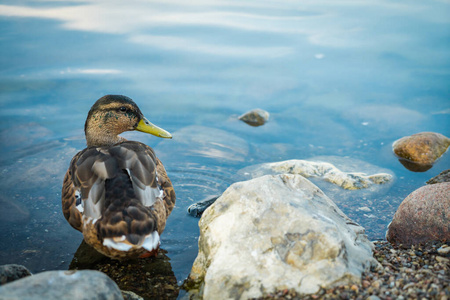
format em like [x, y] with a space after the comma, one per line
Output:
[117, 192]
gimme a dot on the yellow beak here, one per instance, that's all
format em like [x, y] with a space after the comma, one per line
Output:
[144, 125]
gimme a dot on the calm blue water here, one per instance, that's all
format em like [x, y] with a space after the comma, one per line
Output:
[339, 78]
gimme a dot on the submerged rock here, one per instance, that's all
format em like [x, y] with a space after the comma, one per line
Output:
[325, 170]
[255, 117]
[197, 209]
[444, 176]
[276, 232]
[9, 273]
[62, 285]
[423, 216]
[419, 151]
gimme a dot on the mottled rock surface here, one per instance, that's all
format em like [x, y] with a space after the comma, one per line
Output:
[9, 273]
[62, 285]
[255, 117]
[444, 176]
[423, 216]
[276, 232]
[419, 151]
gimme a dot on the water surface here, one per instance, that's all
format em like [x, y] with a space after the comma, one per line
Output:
[342, 79]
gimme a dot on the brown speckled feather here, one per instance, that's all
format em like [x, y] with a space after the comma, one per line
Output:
[117, 191]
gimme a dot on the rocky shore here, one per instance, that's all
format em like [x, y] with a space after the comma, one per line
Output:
[419, 272]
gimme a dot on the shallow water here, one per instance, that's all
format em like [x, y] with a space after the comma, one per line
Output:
[339, 79]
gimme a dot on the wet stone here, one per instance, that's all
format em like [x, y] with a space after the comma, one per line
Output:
[9, 273]
[444, 176]
[197, 209]
[418, 152]
[255, 117]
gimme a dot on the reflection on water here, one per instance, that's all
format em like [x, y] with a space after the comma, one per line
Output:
[338, 79]
[150, 278]
[413, 166]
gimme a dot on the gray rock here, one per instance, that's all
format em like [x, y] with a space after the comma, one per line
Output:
[9, 273]
[197, 209]
[62, 285]
[272, 233]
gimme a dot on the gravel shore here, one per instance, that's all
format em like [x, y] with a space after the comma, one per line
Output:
[420, 272]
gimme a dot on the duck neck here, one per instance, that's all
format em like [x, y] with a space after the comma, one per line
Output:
[104, 138]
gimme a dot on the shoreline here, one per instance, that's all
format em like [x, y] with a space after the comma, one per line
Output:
[418, 272]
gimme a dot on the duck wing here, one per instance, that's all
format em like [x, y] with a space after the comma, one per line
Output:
[118, 196]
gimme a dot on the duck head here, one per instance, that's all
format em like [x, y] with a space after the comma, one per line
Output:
[113, 114]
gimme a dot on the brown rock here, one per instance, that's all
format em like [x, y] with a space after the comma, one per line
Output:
[423, 216]
[256, 117]
[419, 151]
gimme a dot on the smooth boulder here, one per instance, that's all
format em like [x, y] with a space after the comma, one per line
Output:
[276, 232]
[62, 285]
[423, 216]
[419, 151]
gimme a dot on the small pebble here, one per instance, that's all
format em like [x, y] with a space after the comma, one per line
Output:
[444, 250]
[256, 117]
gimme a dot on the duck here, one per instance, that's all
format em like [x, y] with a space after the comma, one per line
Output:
[117, 192]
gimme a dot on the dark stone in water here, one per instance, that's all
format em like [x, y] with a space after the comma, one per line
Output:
[9, 273]
[197, 209]
[255, 117]
[419, 151]
[444, 176]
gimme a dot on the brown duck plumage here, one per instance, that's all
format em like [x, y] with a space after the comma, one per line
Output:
[117, 192]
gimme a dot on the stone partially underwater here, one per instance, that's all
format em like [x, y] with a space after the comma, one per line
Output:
[321, 169]
[419, 151]
[255, 117]
[276, 232]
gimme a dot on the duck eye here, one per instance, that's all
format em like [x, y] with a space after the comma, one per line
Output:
[123, 109]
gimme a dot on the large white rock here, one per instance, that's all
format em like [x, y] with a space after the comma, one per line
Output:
[276, 232]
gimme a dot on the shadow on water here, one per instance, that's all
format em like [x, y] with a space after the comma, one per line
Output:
[150, 278]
